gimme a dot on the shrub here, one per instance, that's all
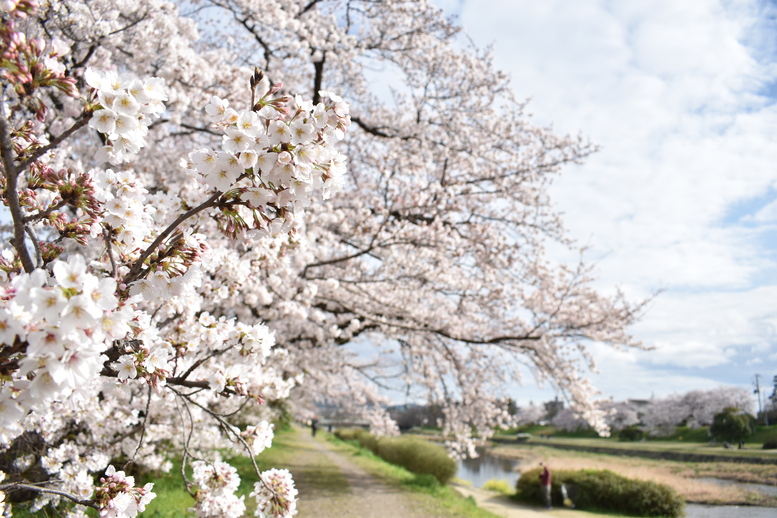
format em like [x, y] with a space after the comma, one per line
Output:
[604, 491]
[631, 434]
[770, 443]
[417, 456]
[347, 434]
[367, 440]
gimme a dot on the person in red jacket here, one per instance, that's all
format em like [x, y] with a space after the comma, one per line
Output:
[545, 477]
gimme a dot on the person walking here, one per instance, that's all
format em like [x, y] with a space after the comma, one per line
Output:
[545, 484]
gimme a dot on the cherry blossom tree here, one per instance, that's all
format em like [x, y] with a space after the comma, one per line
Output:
[530, 414]
[617, 415]
[434, 254]
[107, 349]
[694, 409]
[620, 414]
[568, 420]
[176, 254]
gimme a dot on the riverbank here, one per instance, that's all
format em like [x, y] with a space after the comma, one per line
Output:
[685, 477]
[504, 507]
[659, 450]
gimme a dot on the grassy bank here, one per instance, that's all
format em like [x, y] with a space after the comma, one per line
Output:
[669, 450]
[682, 434]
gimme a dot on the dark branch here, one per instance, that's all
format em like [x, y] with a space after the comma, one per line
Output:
[30, 487]
[135, 271]
[80, 123]
[319, 78]
[11, 179]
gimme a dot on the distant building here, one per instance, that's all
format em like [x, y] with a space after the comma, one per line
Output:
[553, 407]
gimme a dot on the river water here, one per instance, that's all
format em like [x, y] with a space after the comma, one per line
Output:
[488, 467]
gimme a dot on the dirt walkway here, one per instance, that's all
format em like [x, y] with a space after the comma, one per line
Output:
[502, 506]
[331, 486]
[321, 475]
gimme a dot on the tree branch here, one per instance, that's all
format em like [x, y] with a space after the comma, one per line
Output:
[135, 271]
[30, 487]
[319, 77]
[80, 123]
[11, 181]
[36, 245]
[44, 213]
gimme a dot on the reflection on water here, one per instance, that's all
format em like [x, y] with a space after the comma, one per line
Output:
[487, 467]
[728, 511]
[760, 488]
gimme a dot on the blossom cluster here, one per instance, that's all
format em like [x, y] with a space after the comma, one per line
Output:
[117, 496]
[258, 437]
[276, 496]
[27, 64]
[71, 466]
[126, 106]
[125, 212]
[273, 157]
[54, 329]
[239, 368]
[217, 483]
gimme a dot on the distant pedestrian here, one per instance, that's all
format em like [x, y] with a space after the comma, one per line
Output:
[545, 485]
[314, 426]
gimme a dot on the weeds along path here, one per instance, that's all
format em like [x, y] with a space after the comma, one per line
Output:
[330, 486]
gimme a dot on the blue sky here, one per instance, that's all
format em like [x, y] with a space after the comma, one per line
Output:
[682, 197]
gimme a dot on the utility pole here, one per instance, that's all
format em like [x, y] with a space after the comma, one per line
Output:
[758, 392]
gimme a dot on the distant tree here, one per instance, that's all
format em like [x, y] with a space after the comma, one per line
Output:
[553, 407]
[701, 405]
[694, 409]
[662, 415]
[531, 414]
[732, 425]
[620, 414]
[566, 419]
[511, 406]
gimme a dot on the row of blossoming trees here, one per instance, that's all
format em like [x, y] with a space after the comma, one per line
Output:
[657, 416]
[175, 268]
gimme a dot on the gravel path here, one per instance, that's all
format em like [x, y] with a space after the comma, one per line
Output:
[316, 468]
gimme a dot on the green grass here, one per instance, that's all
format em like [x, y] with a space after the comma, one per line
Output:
[685, 434]
[678, 446]
[762, 434]
[682, 434]
[536, 429]
[173, 501]
[499, 486]
[435, 498]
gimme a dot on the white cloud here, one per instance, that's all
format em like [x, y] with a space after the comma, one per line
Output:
[690, 354]
[673, 92]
